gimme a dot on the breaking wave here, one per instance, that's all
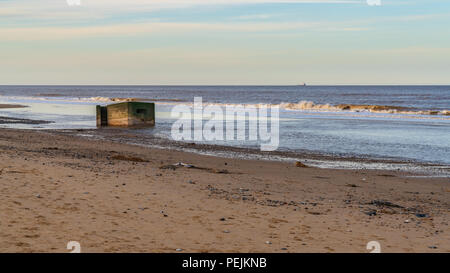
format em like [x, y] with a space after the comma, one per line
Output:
[106, 99]
[385, 109]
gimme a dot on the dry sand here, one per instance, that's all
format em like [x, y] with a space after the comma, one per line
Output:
[113, 197]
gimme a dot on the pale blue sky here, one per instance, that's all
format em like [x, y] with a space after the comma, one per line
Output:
[224, 42]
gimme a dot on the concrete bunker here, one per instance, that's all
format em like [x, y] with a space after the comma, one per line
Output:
[126, 114]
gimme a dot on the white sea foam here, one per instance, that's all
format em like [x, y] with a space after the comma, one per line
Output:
[311, 106]
[106, 99]
[308, 105]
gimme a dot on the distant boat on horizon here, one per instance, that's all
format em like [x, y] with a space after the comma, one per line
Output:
[303, 84]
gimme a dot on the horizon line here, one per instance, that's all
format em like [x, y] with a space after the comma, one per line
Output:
[299, 85]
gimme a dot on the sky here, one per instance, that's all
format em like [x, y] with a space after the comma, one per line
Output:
[224, 42]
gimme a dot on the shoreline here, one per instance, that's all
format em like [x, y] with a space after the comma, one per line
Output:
[393, 157]
[310, 158]
[115, 197]
[10, 120]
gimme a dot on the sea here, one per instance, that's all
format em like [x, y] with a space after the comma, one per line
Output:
[399, 123]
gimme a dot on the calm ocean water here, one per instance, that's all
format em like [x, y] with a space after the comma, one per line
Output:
[410, 122]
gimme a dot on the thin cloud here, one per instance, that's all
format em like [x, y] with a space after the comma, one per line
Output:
[51, 10]
[56, 33]
[26, 6]
[255, 17]
[212, 2]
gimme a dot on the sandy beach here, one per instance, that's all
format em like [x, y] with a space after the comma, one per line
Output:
[113, 197]
[240, 128]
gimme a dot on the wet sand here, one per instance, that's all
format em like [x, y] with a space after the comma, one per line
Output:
[9, 120]
[114, 197]
[9, 106]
